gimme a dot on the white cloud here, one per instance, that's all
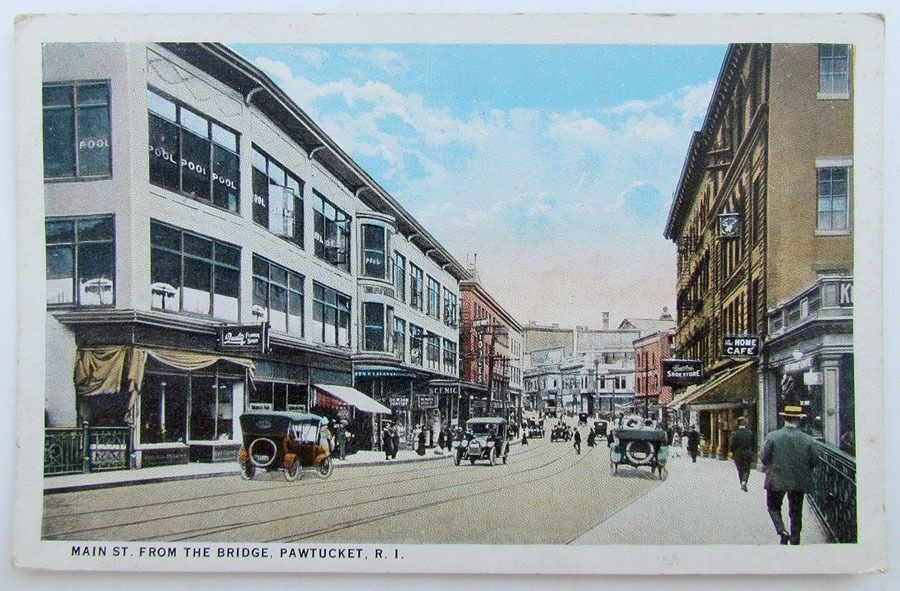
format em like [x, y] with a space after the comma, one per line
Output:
[313, 56]
[385, 60]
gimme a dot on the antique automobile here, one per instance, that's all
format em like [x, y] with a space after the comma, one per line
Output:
[582, 418]
[560, 432]
[535, 428]
[486, 439]
[288, 441]
[642, 446]
[600, 428]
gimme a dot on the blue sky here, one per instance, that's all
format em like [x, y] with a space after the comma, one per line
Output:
[554, 163]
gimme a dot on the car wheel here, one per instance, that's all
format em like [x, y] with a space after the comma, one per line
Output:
[492, 456]
[292, 471]
[248, 470]
[325, 468]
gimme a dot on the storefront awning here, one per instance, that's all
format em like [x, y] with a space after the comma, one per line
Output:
[378, 371]
[732, 386]
[331, 395]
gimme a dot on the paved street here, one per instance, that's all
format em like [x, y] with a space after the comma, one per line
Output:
[546, 494]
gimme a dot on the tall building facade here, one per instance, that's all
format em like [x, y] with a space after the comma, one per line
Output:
[211, 250]
[762, 219]
[651, 394]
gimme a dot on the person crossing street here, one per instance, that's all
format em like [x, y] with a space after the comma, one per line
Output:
[577, 444]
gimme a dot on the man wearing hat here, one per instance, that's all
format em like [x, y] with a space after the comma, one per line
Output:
[743, 451]
[788, 457]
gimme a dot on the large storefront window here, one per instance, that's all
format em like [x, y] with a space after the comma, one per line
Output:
[277, 198]
[279, 396]
[164, 408]
[76, 130]
[278, 296]
[331, 233]
[374, 249]
[331, 316]
[400, 276]
[193, 154]
[80, 261]
[192, 273]
[416, 287]
[373, 329]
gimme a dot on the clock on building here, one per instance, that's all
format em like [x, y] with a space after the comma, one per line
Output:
[729, 225]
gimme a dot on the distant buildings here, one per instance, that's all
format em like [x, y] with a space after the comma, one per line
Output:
[762, 218]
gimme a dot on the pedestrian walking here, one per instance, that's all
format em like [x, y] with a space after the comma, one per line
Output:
[676, 444]
[743, 451]
[420, 449]
[788, 457]
[693, 442]
[441, 439]
[387, 441]
[592, 438]
[524, 436]
[577, 444]
[448, 439]
[395, 441]
[340, 438]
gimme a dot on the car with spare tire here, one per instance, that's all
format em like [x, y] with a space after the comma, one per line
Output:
[486, 438]
[287, 441]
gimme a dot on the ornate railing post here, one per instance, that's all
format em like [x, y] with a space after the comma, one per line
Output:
[834, 497]
[86, 442]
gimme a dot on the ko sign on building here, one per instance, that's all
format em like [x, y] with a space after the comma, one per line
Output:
[740, 345]
[682, 372]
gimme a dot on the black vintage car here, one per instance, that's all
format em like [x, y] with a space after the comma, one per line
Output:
[600, 428]
[486, 439]
[535, 428]
[560, 432]
[288, 441]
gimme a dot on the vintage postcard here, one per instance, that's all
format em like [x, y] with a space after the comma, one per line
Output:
[443, 293]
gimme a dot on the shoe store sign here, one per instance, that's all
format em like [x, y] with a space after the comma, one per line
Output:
[740, 345]
[682, 372]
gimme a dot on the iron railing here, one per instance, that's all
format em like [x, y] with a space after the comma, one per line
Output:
[86, 449]
[834, 498]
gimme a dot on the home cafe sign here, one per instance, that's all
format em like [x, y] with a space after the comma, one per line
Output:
[740, 345]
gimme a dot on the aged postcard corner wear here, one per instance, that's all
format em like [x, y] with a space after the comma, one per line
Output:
[334, 301]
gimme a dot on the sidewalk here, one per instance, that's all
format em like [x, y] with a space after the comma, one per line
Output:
[95, 480]
[699, 503]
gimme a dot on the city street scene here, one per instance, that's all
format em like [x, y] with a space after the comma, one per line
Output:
[449, 294]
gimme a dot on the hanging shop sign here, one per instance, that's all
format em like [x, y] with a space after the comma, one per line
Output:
[443, 389]
[682, 372]
[729, 225]
[496, 404]
[399, 402]
[740, 345]
[252, 338]
[426, 401]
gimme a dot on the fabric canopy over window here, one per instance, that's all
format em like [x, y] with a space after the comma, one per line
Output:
[332, 396]
[99, 370]
[732, 386]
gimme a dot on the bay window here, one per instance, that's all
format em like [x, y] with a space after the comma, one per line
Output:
[76, 130]
[192, 273]
[193, 154]
[400, 338]
[331, 232]
[331, 316]
[278, 296]
[277, 198]
[374, 246]
[80, 261]
[374, 326]
[399, 276]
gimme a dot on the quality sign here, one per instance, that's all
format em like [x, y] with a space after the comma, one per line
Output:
[740, 345]
[682, 372]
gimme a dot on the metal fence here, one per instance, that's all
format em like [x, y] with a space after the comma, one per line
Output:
[86, 449]
[834, 498]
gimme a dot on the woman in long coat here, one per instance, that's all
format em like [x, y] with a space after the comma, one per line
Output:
[387, 442]
[421, 447]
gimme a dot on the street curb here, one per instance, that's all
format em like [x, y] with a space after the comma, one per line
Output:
[156, 479]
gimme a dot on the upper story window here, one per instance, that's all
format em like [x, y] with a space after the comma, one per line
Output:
[374, 243]
[331, 316]
[449, 356]
[193, 154]
[278, 296]
[193, 273]
[374, 327]
[331, 232]
[833, 199]
[416, 344]
[416, 287]
[277, 198]
[433, 350]
[399, 276]
[76, 130]
[434, 298]
[834, 70]
[400, 338]
[80, 261]
[451, 311]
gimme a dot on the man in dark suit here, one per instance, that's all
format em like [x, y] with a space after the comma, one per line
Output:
[743, 451]
[693, 443]
[788, 456]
